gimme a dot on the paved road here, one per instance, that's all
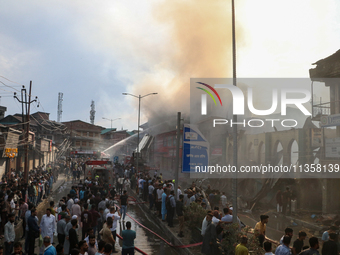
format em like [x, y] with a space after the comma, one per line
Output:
[146, 241]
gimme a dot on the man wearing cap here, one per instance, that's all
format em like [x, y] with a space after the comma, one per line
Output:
[67, 242]
[61, 228]
[70, 202]
[76, 210]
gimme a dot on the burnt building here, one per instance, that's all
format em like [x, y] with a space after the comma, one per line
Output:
[327, 71]
[85, 138]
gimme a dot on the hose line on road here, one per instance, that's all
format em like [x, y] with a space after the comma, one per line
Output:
[136, 248]
[168, 243]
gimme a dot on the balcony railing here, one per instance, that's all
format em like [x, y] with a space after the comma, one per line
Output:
[323, 109]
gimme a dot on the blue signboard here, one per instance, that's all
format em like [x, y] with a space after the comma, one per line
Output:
[195, 149]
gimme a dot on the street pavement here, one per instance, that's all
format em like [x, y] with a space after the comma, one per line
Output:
[146, 241]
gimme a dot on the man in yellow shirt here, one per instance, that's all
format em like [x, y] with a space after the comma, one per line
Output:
[241, 249]
[260, 228]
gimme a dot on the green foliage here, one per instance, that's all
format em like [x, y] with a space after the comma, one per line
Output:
[232, 236]
[194, 215]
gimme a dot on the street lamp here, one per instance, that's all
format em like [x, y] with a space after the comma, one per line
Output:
[111, 120]
[139, 98]
[235, 145]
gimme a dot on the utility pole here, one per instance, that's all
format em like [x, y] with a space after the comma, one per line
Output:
[26, 104]
[60, 106]
[139, 99]
[178, 136]
[92, 112]
[137, 169]
[234, 181]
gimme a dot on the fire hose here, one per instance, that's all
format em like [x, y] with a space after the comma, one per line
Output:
[136, 248]
[152, 232]
[179, 246]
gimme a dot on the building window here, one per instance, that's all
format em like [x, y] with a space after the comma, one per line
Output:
[164, 142]
[169, 141]
[83, 143]
[90, 134]
[91, 144]
[77, 143]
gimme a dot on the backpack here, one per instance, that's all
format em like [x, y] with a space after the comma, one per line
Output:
[167, 203]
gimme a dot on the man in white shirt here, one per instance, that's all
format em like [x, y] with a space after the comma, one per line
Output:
[185, 197]
[179, 192]
[76, 210]
[47, 226]
[115, 218]
[9, 234]
[83, 247]
[224, 200]
[215, 220]
[205, 224]
[107, 210]
[160, 191]
[11, 202]
[90, 233]
[191, 198]
[126, 173]
[70, 202]
[120, 185]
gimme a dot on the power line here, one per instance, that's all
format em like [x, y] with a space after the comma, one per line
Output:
[9, 79]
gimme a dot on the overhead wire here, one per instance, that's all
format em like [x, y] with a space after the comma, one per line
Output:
[44, 111]
[51, 130]
[9, 79]
[9, 86]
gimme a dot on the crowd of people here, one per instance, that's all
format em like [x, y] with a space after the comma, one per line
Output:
[330, 242]
[161, 197]
[85, 221]
[16, 194]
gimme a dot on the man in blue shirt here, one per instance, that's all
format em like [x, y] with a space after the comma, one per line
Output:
[128, 240]
[171, 209]
[284, 249]
[27, 215]
[325, 235]
[49, 248]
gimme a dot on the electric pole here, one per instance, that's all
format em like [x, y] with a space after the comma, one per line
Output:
[26, 105]
[234, 181]
[178, 136]
[60, 106]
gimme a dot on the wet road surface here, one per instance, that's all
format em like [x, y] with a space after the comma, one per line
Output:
[145, 240]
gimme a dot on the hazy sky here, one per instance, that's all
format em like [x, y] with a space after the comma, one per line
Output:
[95, 50]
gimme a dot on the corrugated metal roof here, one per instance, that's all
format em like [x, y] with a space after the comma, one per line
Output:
[103, 132]
[144, 142]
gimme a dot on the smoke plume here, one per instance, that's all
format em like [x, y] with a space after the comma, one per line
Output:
[199, 46]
